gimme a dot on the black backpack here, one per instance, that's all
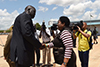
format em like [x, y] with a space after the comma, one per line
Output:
[90, 41]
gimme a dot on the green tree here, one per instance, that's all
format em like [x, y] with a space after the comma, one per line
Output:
[1, 31]
[8, 31]
[38, 26]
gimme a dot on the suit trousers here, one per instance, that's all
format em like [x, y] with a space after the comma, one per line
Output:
[46, 53]
[38, 55]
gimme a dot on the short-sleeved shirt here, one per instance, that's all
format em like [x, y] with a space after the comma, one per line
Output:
[83, 44]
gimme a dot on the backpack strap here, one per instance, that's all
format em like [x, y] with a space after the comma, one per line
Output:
[90, 42]
[86, 33]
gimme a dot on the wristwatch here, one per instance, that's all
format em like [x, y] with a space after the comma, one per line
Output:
[64, 63]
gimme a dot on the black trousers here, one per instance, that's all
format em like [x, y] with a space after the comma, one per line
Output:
[38, 55]
[74, 42]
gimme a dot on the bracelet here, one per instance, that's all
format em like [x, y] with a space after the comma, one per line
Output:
[46, 45]
[64, 63]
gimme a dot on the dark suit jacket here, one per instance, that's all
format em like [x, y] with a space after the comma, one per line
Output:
[23, 40]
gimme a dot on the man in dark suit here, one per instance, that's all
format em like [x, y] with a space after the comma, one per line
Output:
[23, 40]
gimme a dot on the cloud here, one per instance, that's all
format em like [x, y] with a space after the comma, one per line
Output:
[7, 19]
[98, 16]
[73, 18]
[76, 10]
[42, 9]
[79, 9]
[3, 13]
[54, 8]
[35, 21]
[12, 0]
[83, 10]
[95, 5]
[2, 0]
[87, 15]
[53, 19]
[51, 22]
[63, 3]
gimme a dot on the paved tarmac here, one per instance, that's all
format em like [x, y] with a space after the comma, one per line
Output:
[94, 59]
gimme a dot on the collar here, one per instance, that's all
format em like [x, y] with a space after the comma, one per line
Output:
[85, 30]
[27, 14]
[66, 28]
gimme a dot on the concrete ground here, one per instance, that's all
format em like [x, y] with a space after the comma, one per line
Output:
[94, 59]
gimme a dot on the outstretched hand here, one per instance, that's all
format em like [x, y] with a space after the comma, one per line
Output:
[42, 47]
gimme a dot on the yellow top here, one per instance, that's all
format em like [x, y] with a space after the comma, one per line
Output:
[83, 44]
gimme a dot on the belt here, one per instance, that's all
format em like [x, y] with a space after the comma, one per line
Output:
[58, 47]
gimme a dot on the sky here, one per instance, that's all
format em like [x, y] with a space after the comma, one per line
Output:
[49, 10]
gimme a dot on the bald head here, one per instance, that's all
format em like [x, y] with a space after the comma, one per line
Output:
[30, 10]
[85, 24]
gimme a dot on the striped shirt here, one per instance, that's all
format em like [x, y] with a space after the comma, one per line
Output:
[67, 41]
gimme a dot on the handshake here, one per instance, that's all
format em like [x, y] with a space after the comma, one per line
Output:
[43, 46]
